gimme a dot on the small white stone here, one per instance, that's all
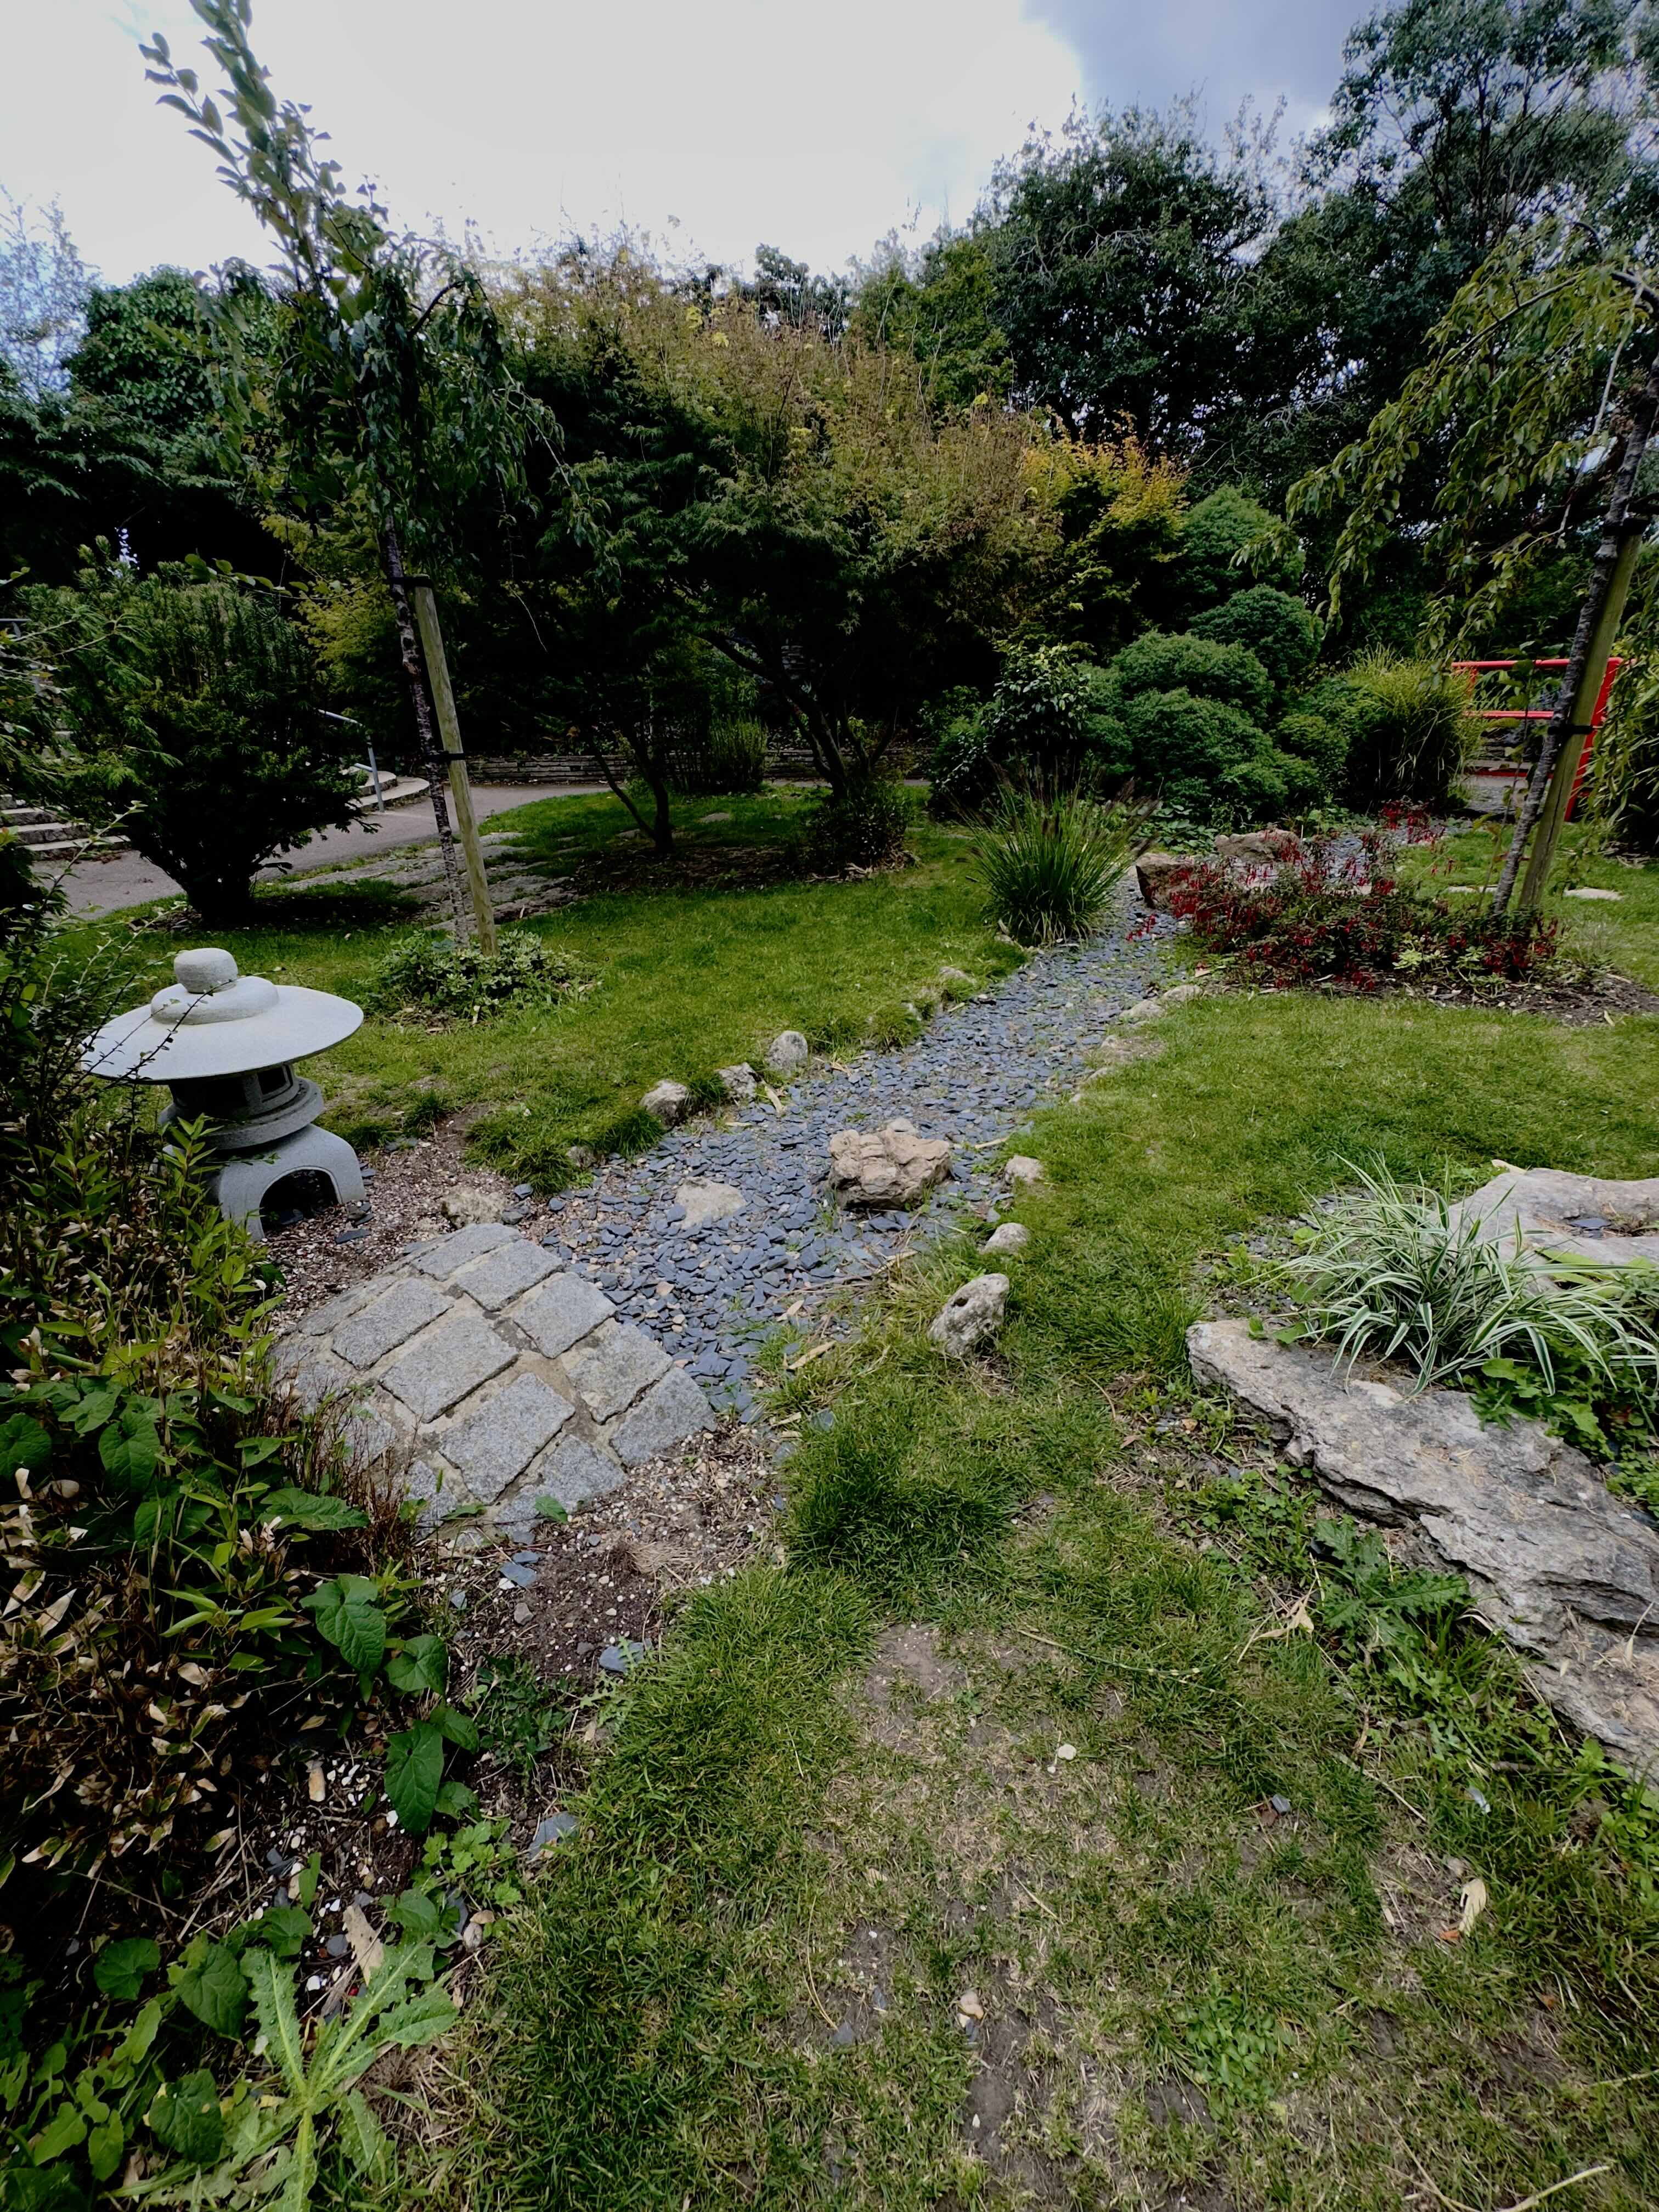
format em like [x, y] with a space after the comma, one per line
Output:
[1066, 1751]
[969, 2006]
[669, 1101]
[969, 1316]
[787, 1052]
[1010, 1236]
[1021, 1167]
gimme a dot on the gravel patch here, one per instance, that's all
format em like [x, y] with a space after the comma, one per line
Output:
[709, 1291]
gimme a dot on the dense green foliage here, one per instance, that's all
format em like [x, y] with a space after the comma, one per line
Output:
[195, 709]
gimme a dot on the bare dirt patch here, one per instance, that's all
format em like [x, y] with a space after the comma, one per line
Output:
[405, 1195]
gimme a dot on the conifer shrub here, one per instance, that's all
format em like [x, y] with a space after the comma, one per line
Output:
[1272, 624]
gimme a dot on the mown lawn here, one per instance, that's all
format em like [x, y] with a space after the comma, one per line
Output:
[741, 1984]
[1623, 933]
[685, 980]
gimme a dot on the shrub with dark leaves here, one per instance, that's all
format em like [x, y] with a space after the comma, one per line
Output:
[864, 827]
[1336, 915]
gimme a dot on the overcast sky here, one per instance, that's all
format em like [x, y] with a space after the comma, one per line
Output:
[713, 123]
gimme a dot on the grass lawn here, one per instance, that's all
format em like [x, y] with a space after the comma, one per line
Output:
[1625, 934]
[688, 979]
[941, 1862]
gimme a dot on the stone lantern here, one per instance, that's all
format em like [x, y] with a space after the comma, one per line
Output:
[226, 1044]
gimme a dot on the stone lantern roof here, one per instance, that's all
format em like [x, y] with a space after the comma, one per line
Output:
[212, 1021]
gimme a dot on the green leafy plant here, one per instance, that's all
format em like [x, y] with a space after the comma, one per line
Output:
[1368, 1602]
[268, 2132]
[432, 977]
[1230, 2048]
[1388, 1272]
[517, 1720]
[1048, 864]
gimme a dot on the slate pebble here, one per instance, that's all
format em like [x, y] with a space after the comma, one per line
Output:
[976, 1074]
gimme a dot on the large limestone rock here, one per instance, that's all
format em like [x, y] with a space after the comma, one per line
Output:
[1257, 849]
[1557, 1565]
[1585, 1215]
[738, 1082]
[969, 1316]
[889, 1167]
[1155, 872]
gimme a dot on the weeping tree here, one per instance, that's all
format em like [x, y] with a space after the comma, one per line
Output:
[384, 369]
[1530, 416]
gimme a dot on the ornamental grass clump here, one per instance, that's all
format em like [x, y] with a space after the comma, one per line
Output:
[1048, 862]
[1336, 915]
[1394, 1272]
[434, 979]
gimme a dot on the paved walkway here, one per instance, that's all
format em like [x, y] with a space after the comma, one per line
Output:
[99, 887]
[509, 1378]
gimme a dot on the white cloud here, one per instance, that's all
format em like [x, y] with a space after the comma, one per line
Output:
[816, 129]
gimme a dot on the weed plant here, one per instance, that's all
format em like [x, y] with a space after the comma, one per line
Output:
[430, 977]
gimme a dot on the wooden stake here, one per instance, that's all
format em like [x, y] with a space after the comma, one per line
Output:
[1605, 638]
[1644, 407]
[421, 701]
[449, 723]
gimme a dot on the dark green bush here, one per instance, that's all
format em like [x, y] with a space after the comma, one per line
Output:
[864, 827]
[1214, 533]
[1052, 721]
[1321, 744]
[1051, 718]
[1206, 668]
[197, 707]
[1204, 757]
[1272, 624]
[1184, 744]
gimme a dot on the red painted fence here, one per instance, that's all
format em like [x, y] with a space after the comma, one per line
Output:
[1479, 668]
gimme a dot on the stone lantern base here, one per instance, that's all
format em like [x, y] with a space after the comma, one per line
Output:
[263, 1126]
[242, 1185]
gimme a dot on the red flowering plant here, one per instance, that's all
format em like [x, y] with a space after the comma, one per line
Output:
[1334, 912]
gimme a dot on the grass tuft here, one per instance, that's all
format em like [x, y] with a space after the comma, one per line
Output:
[862, 1501]
[1048, 862]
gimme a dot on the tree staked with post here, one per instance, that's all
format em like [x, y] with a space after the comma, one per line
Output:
[1535, 405]
[388, 378]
